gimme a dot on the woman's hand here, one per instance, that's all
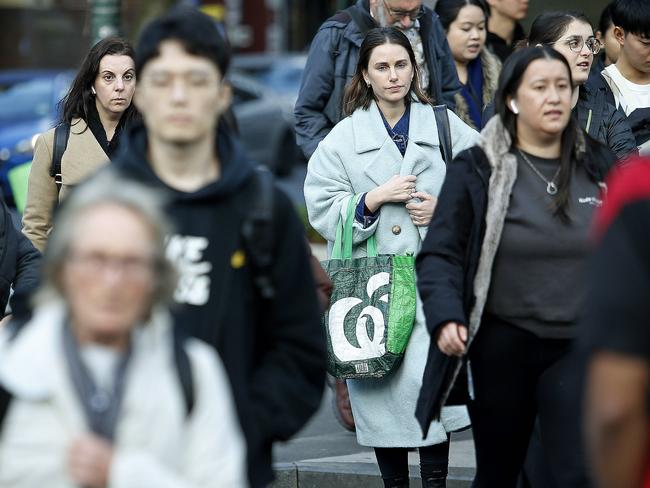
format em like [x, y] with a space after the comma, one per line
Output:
[452, 338]
[397, 189]
[421, 212]
[89, 461]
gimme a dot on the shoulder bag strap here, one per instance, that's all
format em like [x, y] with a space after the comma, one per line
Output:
[61, 135]
[444, 132]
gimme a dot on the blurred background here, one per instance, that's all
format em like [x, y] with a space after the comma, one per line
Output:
[43, 41]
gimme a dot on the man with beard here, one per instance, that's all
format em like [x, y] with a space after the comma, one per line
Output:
[334, 53]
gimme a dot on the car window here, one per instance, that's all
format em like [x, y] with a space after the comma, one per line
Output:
[27, 100]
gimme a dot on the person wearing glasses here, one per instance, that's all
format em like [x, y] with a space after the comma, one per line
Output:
[333, 58]
[570, 33]
[92, 384]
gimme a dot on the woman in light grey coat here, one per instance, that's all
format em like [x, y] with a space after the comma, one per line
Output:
[387, 149]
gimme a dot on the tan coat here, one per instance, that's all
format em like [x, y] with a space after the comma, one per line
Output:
[81, 158]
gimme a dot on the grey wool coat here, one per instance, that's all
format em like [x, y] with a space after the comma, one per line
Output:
[355, 157]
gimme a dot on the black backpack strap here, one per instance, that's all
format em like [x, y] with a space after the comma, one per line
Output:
[444, 132]
[184, 369]
[257, 232]
[61, 135]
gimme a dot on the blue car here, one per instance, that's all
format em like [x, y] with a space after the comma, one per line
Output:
[28, 107]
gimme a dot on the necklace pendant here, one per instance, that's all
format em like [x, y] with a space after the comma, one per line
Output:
[551, 188]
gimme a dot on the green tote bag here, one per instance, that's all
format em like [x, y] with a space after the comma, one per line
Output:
[373, 301]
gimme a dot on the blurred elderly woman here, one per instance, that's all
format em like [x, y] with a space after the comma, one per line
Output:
[102, 391]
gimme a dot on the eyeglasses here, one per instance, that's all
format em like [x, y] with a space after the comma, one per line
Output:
[577, 43]
[401, 14]
[129, 267]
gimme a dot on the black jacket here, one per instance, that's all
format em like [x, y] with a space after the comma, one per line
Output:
[19, 266]
[273, 350]
[602, 120]
[332, 63]
[448, 261]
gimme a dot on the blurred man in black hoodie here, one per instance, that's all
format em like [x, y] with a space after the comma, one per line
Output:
[273, 348]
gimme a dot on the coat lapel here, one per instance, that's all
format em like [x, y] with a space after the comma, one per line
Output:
[370, 135]
[422, 133]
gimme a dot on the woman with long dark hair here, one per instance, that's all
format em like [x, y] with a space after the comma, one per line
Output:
[501, 271]
[465, 22]
[387, 150]
[95, 109]
[570, 33]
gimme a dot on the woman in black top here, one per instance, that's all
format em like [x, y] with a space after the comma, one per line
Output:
[505, 252]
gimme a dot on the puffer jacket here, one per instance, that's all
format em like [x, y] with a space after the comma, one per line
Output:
[604, 122]
[332, 63]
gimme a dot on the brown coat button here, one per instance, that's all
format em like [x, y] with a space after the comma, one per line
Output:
[396, 229]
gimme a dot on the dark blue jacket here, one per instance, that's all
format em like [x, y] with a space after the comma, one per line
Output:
[20, 265]
[332, 63]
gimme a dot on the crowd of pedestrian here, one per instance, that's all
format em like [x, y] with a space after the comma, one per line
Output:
[165, 321]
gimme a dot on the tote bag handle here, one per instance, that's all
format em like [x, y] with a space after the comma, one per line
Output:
[343, 243]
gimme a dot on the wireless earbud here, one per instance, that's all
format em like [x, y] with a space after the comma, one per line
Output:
[92, 89]
[514, 108]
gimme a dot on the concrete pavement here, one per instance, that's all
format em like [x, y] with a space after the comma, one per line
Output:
[325, 455]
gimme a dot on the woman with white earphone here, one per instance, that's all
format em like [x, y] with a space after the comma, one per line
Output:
[94, 113]
[500, 272]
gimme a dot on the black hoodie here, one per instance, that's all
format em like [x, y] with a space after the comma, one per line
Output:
[273, 350]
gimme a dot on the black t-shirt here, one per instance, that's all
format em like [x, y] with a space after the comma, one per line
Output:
[538, 273]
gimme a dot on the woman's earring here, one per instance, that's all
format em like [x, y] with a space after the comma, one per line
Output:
[92, 89]
[514, 108]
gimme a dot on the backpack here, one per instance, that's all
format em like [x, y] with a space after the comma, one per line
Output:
[61, 136]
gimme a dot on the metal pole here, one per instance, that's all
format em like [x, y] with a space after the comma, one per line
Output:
[105, 15]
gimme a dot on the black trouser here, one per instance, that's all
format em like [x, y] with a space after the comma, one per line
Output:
[393, 463]
[518, 376]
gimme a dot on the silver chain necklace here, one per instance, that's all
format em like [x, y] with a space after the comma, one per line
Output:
[551, 187]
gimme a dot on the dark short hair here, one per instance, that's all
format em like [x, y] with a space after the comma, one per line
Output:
[633, 16]
[605, 21]
[77, 101]
[448, 10]
[195, 31]
[548, 28]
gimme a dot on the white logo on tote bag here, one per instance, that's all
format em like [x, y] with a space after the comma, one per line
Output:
[368, 348]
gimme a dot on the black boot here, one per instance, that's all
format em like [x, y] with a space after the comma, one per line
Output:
[396, 482]
[436, 478]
